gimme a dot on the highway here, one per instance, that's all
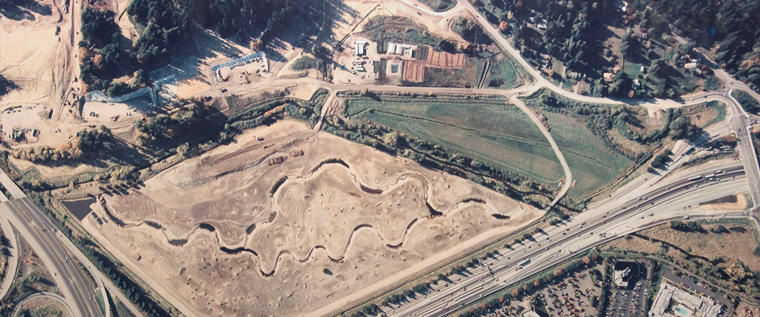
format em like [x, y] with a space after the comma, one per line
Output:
[665, 202]
[12, 269]
[739, 124]
[39, 232]
[661, 200]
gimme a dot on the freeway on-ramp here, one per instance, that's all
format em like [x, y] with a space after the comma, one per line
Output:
[669, 201]
[38, 232]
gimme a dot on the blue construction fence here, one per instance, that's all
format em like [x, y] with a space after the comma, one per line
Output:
[245, 60]
[99, 96]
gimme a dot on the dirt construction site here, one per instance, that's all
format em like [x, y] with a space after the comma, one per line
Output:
[288, 224]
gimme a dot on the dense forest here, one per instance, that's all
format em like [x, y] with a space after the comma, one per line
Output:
[730, 27]
[573, 32]
[568, 25]
[102, 57]
[168, 22]
[230, 17]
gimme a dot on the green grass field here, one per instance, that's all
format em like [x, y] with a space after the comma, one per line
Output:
[593, 164]
[489, 131]
[502, 75]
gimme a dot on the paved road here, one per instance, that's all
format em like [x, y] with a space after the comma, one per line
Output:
[34, 296]
[616, 218]
[746, 147]
[37, 230]
[10, 272]
[100, 277]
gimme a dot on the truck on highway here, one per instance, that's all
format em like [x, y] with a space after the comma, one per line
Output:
[710, 175]
[695, 178]
[524, 263]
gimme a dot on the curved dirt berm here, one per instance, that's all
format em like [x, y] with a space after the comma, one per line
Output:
[233, 232]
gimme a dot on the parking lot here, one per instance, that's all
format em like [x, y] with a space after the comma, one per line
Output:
[630, 302]
[567, 298]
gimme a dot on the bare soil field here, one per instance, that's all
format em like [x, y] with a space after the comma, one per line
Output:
[413, 71]
[735, 202]
[31, 63]
[190, 73]
[744, 310]
[445, 60]
[292, 223]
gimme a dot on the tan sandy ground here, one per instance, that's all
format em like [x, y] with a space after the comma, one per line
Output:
[744, 310]
[363, 222]
[303, 92]
[28, 54]
[740, 204]
[38, 61]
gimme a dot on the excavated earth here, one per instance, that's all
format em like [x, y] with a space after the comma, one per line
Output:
[249, 228]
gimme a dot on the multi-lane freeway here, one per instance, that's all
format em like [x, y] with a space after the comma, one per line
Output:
[669, 200]
[619, 214]
[39, 232]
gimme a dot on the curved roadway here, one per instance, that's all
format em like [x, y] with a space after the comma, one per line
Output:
[81, 294]
[10, 271]
[736, 124]
[34, 296]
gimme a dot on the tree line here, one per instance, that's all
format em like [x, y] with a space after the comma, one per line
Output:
[439, 157]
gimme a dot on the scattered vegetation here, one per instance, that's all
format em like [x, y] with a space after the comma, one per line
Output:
[187, 124]
[41, 312]
[440, 5]
[304, 63]
[469, 30]
[503, 74]
[91, 142]
[384, 29]
[661, 159]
